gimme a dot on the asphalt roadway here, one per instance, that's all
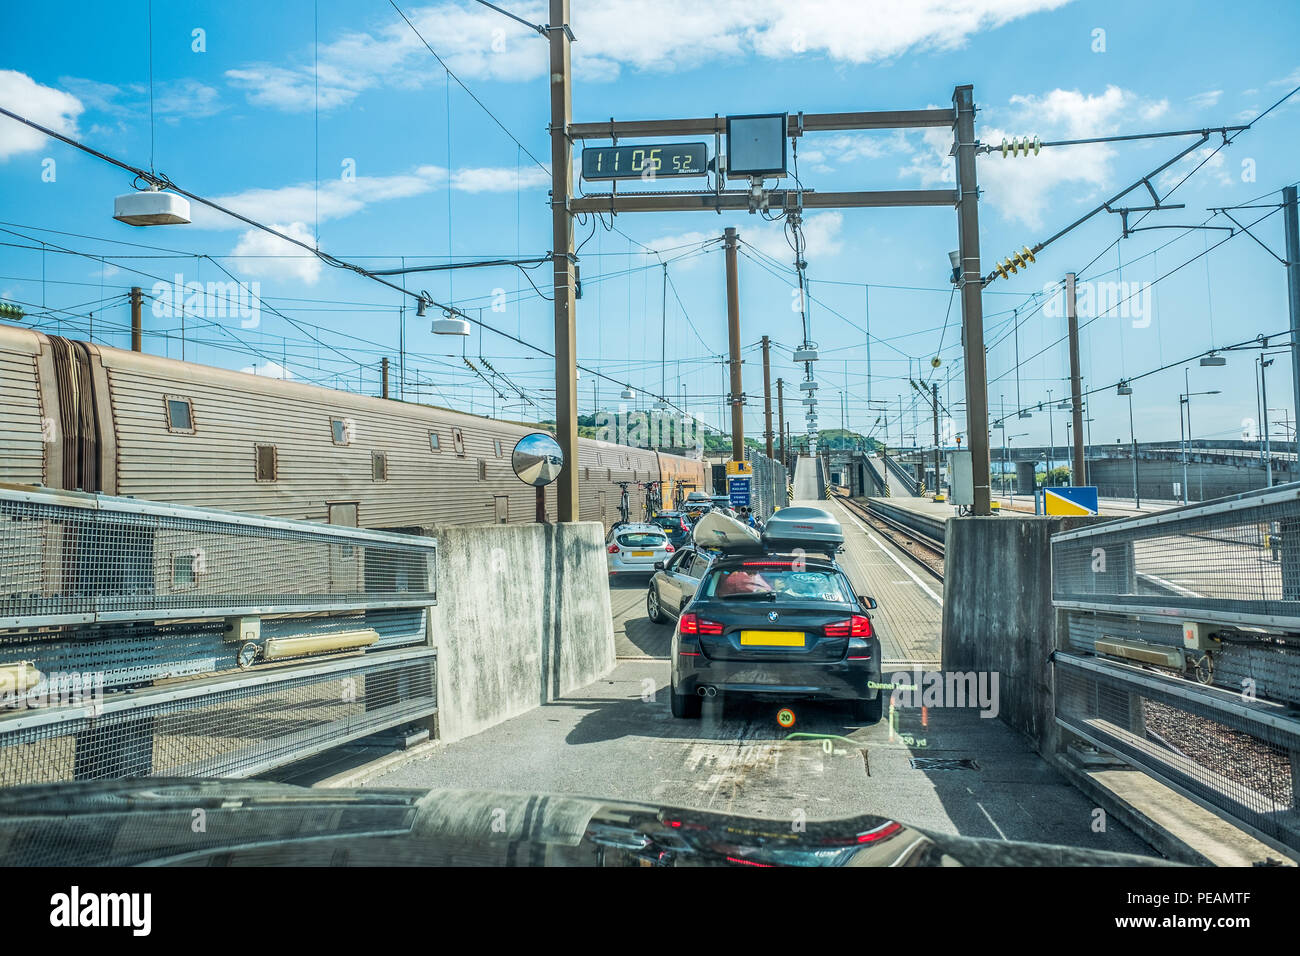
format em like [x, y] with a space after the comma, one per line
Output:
[615, 739]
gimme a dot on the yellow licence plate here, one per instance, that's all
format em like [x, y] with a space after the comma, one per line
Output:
[772, 638]
[642, 554]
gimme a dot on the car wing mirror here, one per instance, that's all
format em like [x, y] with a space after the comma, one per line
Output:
[659, 565]
[869, 602]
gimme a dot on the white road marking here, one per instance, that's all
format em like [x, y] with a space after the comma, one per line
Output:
[889, 554]
[990, 819]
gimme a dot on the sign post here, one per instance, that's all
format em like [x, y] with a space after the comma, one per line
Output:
[740, 475]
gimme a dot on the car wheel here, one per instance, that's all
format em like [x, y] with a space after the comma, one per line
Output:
[683, 706]
[869, 711]
[653, 611]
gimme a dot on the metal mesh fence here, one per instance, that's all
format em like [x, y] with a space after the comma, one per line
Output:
[70, 558]
[231, 728]
[1236, 560]
[1239, 756]
[768, 485]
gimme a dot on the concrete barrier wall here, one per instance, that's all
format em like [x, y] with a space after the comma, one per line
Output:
[998, 615]
[523, 617]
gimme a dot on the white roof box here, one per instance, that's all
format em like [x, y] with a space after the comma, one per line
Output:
[150, 207]
[722, 533]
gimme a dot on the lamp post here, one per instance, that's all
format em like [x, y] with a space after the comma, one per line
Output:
[1186, 399]
[1006, 440]
[1124, 388]
[1264, 363]
[1051, 440]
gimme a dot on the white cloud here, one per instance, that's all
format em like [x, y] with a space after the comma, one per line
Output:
[51, 108]
[283, 259]
[173, 99]
[284, 89]
[337, 198]
[1153, 111]
[1292, 79]
[1205, 100]
[492, 180]
[1024, 189]
[1215, 169]
[477, 43]
[187, 99]
[822, 150]
[821, 238]
[679, 242]
[269, 369]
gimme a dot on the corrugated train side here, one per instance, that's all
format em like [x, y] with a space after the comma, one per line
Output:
[77, 415]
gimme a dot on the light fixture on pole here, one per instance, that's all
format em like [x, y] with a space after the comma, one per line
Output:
[450, 325]
[151, 207]
[1213, 360]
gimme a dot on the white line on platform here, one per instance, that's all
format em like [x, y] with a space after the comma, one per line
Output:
[889, 554]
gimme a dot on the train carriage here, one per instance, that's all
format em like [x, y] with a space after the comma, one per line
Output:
[84, 416]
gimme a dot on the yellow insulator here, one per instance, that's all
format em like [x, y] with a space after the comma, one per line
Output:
[1001, 270]
[1027, 254]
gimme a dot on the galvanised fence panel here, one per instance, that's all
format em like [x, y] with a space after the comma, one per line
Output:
[1180, 650]
[141, 638]
[1235, 561]
[67, 558]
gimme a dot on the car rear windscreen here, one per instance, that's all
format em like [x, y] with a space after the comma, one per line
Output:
[785, 582]
[642, 539]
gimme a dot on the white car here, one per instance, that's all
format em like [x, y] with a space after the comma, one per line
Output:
[634, 548]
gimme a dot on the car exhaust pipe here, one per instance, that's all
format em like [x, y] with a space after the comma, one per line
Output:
[708, 690]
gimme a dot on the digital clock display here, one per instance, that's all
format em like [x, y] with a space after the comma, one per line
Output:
[658, 161]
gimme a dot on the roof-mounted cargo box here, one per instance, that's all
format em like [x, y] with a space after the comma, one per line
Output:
[809, 528]
[723, 533]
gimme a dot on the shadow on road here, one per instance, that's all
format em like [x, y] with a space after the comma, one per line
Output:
[737, 720]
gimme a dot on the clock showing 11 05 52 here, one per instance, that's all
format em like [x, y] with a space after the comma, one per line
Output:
[650, 161]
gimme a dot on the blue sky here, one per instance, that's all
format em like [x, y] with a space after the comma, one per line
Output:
[245, 122]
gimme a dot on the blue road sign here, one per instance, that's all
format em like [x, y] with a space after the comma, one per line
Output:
[738, 489]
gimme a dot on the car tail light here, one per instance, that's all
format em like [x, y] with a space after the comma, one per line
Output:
[882, 832]
[669, 548]
[856, 626]
[694, 624]
[613, 549]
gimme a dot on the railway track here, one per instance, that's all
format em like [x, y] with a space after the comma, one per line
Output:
[922, 548]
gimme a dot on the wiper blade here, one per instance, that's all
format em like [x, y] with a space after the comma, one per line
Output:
[747, 595]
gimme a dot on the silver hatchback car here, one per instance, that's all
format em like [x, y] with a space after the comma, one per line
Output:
[634, 548]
